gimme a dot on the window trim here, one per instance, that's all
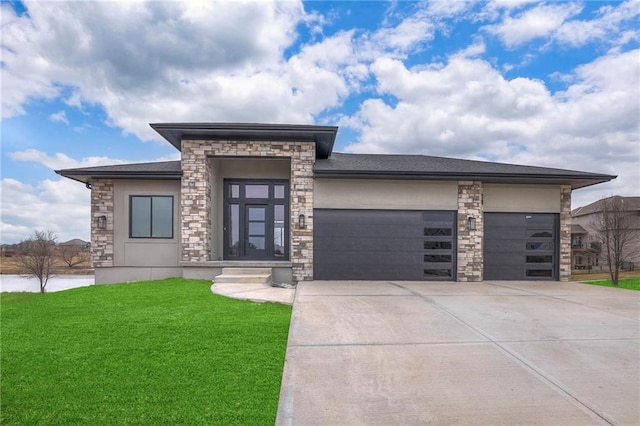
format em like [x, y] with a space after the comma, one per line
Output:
[151, 237]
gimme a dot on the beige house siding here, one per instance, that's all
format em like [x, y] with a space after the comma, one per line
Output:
[145, 252]
[385, 194]
[513, 198]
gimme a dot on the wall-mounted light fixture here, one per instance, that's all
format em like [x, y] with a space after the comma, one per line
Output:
[301, 221]
[471, 223]
[102, 222]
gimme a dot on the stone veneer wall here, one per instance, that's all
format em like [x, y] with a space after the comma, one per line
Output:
[565, 233]
[102, 239]
[196, 202]
[470, 251]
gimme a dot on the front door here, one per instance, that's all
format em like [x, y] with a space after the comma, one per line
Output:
[256, 220]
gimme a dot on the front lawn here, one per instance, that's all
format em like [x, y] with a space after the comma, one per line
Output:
[160, 352]
[628, 283]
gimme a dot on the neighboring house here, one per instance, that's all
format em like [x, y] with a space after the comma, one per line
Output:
[276, 196]
[586, 248]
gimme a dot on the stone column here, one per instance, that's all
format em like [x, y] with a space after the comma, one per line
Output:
[195, 202]
[565, 233]
[302, 203]
[470, 254]
[102, 239]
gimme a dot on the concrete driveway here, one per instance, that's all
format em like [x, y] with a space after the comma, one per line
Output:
[491, 353]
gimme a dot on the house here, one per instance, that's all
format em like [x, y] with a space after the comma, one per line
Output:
[278, 197]
[586, 247]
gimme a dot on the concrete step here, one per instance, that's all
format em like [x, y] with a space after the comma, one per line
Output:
[244, 276]
[243, 279]
[245, 271]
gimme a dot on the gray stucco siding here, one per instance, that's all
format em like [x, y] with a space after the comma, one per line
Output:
[144, 252]
[384, 194]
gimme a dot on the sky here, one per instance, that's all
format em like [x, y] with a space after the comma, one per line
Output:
[553, 84]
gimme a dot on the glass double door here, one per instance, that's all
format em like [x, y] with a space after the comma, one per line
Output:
[256, 220]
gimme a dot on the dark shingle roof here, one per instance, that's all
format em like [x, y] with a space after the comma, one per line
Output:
[631, 203]
[373, 166]
[577, 229]
[158, 170]
[426, 167]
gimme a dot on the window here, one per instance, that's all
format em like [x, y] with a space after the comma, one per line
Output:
[540, 259]
[536, 273]
[151, 216]
[437, 232]
[436, 273]
[437, 245]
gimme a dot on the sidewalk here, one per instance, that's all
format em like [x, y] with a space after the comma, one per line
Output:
[255, 292]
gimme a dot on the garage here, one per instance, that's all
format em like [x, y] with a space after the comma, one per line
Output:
[521, 246]
[384, 245]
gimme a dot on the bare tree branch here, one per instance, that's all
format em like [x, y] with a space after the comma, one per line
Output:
[35, 255]
[616, 232]
[69, 254]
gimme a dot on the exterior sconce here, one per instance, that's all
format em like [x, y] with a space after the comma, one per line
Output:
[301, 221]
[102, 222]
[471, 223]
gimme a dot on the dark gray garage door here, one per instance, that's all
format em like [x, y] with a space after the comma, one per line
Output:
[383, 245]
[520, 246]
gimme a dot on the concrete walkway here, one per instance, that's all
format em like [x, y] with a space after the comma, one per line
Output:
[255, 292]
[492, 353]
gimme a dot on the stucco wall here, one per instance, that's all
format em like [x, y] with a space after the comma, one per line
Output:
[385, 194]
[239, 168]
[511, 198]
[144, 252]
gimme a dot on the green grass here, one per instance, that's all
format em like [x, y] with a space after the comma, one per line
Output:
[161, 352]
[628, 283]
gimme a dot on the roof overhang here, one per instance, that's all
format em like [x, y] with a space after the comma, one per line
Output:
[323, 136]
[169, 170]
[576, 182]
[88, 177]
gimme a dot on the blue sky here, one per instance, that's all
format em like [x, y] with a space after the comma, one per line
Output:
[543, 83]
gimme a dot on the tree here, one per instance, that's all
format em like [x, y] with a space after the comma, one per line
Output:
[69, 254]
[616, 231]
[36, 255]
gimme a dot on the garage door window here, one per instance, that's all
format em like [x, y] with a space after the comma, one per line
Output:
[438, 245]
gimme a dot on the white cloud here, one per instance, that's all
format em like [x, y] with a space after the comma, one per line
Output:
[60, 160]
[405, 36]
[160, 61]
[61, 206]
[536, 22]
[613, 24]
[467, 109]
[60, 116]
[607, 27]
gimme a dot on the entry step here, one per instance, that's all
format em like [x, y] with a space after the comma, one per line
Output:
[244, 276]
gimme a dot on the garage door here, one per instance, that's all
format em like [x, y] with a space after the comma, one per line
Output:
[520, 246]
[383, 245]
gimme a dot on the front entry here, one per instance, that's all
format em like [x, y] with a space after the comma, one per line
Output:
[256, 219]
